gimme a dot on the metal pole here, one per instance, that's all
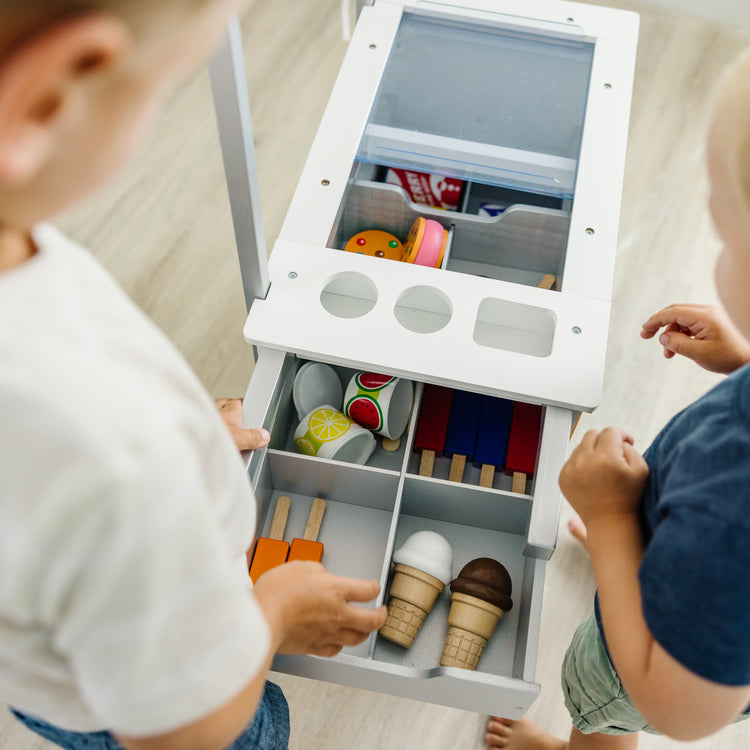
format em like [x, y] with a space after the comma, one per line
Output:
[229, 88]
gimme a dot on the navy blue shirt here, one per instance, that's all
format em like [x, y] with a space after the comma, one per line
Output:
[695, 514]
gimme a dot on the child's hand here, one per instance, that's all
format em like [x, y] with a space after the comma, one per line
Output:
[230, 410]
[604, 475]
[309, 609]
[703, 333]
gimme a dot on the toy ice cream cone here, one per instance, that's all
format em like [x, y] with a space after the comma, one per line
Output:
[471, 623]
[481, 595]
[413, 593]
[422, 569]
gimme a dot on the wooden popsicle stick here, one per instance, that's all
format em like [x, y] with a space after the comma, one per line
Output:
[391, 445]
[487, 475]
[547, 282]
[458, 462]
[519, 482]
[314, 520]
[427, 463]
[280, 516]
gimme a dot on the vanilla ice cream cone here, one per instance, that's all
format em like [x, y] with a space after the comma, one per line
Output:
[471, 623]
[413, 593]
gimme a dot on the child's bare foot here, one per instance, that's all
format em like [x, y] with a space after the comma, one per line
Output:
[578, 530]
[522, 734]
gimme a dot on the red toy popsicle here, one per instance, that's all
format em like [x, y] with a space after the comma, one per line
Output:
[523, 445]
[272, 550]
[309, 548]
[432, 425]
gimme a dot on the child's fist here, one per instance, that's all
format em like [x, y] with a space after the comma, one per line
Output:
[604, 475]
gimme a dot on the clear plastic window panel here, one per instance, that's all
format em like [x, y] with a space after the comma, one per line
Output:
[485, 103]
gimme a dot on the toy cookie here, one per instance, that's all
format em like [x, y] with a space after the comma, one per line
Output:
[377, 243]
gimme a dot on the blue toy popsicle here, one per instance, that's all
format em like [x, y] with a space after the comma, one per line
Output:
[463, 426]
[492, 438]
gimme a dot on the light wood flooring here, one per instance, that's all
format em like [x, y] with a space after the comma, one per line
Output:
[163, 229]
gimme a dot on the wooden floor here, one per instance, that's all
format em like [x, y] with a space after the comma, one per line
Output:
[164, 230]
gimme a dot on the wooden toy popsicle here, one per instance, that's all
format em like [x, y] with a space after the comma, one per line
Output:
[309, 548]
[463, 426]
[492, 438]
[548, 281]
[525, 431]
[432, 425]
[272, 550]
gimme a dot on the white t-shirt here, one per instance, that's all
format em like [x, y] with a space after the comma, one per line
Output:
[125, 512]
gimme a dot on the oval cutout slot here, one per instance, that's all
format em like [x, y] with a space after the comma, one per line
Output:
[349, 295]
[423, 309]
[515, 327]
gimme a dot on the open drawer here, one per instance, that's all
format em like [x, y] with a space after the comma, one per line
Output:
[372, 508]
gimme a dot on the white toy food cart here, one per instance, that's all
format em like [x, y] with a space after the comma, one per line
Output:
[526, 102]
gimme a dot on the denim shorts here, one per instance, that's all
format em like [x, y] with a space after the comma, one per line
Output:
[269, 729]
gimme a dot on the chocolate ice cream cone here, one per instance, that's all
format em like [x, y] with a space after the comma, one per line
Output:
[471, 623]
[413, 593]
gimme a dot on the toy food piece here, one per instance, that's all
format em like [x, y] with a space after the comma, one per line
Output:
[315, 384]
[423, 568]
[377, 243]
[463, 426]
[525, 431]
[492, 437]
[381, 403]
[432, 426]
[547, 282]
[425, 243]
[428, 189]
[309, 548]
[272, 550]
[480, 596]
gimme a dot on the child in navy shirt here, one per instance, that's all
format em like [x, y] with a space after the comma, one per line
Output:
[667, 649]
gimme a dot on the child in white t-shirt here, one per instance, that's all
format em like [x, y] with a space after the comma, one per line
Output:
[126, 613]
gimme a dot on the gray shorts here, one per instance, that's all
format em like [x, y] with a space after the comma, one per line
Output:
[592, 690]
[593, 693]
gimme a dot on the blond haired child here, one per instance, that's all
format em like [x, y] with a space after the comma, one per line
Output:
[126, 614]
[668, 647]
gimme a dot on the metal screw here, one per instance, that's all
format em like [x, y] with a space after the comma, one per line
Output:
[325, 183]
[373, 46]
[292, 274]
[589, 230]
[576, 330]
[607, 85]
[569, 20]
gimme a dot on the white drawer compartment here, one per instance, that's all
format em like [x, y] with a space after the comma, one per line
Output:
[372, 509]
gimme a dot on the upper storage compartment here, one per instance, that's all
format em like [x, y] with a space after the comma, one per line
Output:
[520, 109]
[489, 103]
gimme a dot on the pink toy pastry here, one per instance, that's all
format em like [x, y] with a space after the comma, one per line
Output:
[425, 244]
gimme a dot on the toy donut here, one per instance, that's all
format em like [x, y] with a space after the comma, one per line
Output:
[425, 244]
[377, 243]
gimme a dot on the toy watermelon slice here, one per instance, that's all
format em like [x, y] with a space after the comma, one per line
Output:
[365, 411]
[371, 381]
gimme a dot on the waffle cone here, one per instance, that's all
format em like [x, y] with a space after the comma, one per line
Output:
[471, 623]
[413, 593]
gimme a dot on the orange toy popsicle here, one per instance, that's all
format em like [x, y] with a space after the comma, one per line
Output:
[309, 548]
[272, 550]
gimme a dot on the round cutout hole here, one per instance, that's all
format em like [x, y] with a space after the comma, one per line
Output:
[423, 309]
[349, 295]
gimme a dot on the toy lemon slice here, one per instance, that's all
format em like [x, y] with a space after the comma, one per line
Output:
[425, 243]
